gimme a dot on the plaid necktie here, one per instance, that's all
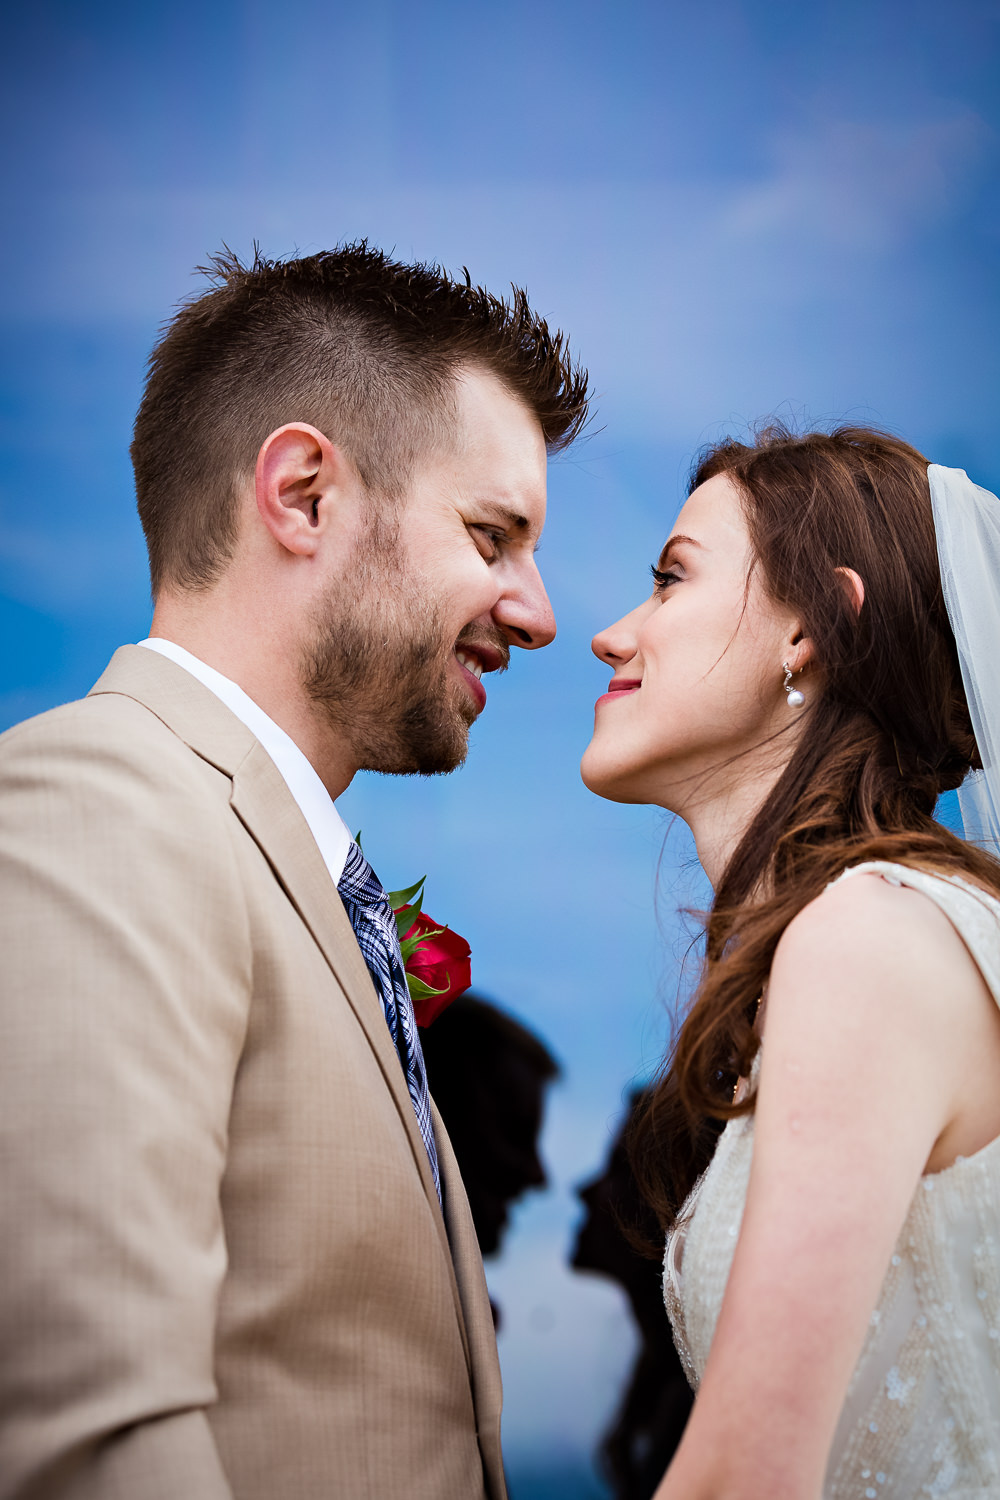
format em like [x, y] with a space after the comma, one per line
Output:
[367, 905]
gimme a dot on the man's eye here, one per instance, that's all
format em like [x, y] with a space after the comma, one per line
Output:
[488, 541]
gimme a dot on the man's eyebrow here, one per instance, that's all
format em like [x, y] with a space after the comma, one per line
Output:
[679, 541]
[511, 517]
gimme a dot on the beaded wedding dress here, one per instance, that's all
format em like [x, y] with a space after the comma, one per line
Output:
[922, 1411]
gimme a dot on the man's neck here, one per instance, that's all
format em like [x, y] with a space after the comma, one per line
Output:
[246, 655]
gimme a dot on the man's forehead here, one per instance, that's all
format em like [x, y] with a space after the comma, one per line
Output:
[494, 457]
[489, 415]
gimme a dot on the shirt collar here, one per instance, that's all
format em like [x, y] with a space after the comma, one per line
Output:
[314, 801]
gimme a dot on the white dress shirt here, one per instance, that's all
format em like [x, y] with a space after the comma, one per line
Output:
[315, 803]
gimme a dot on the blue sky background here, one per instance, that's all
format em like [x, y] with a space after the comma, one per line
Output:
[735, 208]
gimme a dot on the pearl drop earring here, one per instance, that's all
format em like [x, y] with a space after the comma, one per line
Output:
[795, 698]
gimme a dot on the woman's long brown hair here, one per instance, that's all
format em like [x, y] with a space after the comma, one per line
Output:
[888, 731]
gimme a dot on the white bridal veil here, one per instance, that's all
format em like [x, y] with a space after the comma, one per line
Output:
[967, 524]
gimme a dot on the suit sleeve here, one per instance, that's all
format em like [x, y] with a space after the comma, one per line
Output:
[124, 991]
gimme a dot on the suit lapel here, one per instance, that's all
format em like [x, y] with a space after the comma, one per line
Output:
[261, 800]
[487, 1392]
[267, 810]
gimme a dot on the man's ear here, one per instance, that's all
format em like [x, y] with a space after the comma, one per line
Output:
[853, 586]
[298, 469]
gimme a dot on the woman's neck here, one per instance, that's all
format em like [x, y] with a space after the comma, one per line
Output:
[722, 808]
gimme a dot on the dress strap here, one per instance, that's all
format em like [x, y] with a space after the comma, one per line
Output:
[974, 913]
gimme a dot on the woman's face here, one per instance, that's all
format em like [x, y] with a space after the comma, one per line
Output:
[697, 667]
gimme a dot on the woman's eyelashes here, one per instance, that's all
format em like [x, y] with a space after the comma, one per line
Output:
[663, 579]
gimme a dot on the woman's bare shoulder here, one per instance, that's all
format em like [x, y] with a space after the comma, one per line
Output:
[872, 983]
[873, 910]
[882, 948]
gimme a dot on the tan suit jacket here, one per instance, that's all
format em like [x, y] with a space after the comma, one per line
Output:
[223, 1266]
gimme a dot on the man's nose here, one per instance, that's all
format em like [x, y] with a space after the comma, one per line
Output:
[524, 613]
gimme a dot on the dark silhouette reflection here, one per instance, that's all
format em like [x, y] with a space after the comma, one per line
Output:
[487, 1074]
[650, 1420]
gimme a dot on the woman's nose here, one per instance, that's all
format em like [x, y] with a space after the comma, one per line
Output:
[616, 644]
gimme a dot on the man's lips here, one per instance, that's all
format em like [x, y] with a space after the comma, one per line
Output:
[474, 658]
[619, 687]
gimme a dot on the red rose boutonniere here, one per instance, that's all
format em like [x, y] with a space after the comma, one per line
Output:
[436, 960]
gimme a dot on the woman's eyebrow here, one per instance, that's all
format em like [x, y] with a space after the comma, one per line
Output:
[678, 541]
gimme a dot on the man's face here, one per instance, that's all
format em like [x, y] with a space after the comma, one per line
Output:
[437, 592]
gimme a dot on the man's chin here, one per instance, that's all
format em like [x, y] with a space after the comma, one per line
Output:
[424, 765]
[428, 754]
[442, 745]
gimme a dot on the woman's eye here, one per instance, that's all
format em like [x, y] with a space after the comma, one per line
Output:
[663, 580]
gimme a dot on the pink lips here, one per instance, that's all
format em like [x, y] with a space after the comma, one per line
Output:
[474, 685]
[619, 687]
[494, 656]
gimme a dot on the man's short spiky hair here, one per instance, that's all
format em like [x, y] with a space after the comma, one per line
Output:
[360, 346]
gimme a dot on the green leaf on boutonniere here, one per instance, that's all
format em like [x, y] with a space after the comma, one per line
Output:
[404, 898]
[409, 946]
[429, 953]
[419, 990]
[406, 916]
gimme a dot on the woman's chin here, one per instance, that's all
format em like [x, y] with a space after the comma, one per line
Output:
[610, 782]
[616, 780]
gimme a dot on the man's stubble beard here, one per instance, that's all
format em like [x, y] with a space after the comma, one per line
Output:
[377, 669]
